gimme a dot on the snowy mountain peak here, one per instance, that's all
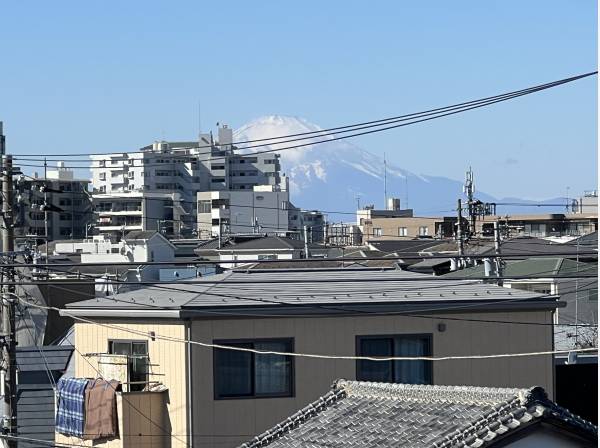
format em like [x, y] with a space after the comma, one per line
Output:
[332, 175]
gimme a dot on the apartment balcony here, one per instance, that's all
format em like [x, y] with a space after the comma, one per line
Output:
[136, 429]
[121, 212]
[118, 228]
[220, 213]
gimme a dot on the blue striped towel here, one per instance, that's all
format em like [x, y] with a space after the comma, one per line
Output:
[70, 413]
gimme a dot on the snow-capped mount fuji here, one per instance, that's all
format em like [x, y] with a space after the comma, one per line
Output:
[330, 176]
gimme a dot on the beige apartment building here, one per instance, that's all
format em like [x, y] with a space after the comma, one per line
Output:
[402, 228]
[218, 397]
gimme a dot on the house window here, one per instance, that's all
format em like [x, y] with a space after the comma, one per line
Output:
[137, 361]
[542, 288]
[423, 231]
[409, 372]
[402, 231]
[102, 176]
[204, 206]
[101, 162]
[239, 374]
[102, 189]
[377, 231]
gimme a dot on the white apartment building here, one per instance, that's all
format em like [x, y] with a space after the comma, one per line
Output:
[155, 188]
[262, 210]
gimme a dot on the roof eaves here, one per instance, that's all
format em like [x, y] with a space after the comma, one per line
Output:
[523, 410]
[292, 422]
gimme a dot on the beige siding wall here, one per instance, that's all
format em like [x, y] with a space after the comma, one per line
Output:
[168, 359]
[226, 423]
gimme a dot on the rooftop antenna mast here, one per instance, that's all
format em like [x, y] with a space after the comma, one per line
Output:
[199, 119]
[384, 182]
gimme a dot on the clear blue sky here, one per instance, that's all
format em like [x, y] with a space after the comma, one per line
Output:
[99, 76]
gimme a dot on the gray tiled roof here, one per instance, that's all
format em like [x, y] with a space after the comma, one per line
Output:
[362, 414]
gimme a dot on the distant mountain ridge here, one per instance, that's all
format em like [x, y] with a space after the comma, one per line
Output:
[332, 175]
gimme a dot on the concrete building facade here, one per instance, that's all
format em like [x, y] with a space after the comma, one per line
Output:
[71, 213]
[262, 209]
[155, 188]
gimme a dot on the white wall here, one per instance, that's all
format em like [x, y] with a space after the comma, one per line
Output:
[548, 438]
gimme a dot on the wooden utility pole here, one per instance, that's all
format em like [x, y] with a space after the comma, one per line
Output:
[8, 371]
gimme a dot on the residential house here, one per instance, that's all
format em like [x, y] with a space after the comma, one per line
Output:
[554, 276]
[136, 246]
[255, 249]
[39, 367]
[222, 397]
[359, 414]
[575, 324]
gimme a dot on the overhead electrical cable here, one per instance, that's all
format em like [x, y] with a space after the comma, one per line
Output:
[447, 111]
[307, 355]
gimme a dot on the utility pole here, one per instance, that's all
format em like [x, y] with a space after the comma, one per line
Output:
[8, 371]
[459, 233]
[306, 255]
[499, 270]
[469, 190]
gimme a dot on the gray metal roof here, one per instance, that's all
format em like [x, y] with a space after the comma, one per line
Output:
[321, 291]
[39, 368]
[538, 246]
[430, 263]
[140, 234]
[33, 359]
[404, 247]
[362, 414]
[270, 242]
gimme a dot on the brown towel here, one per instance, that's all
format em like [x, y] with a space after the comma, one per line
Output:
[101, 410]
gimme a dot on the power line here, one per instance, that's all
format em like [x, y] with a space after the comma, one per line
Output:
[276, 281]
[308, 260]
[476, 104]
[345, 310]
[310, 355]
[461, 106]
